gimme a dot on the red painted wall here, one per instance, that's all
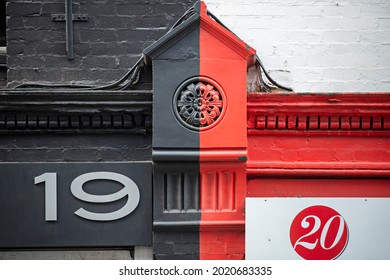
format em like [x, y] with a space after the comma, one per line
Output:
[223, 148]
[306, 135]
[318, 145]
[325, 187]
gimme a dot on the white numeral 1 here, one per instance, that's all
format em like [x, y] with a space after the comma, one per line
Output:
[50, 180]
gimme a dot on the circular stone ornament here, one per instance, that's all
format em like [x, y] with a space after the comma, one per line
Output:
[199, 103]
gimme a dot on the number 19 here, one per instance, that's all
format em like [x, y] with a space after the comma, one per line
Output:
[129, 189]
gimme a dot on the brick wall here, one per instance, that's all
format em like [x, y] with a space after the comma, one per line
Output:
[324, 45]
[308, 45]
[105, 46]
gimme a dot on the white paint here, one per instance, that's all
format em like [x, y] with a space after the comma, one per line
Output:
[316, 45]
[268, 222]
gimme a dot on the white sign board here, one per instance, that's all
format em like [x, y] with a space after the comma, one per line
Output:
[317, 228]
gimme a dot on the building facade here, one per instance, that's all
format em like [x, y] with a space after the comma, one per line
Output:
[134, 130]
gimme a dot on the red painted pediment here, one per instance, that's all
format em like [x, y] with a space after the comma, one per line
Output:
[183, 41]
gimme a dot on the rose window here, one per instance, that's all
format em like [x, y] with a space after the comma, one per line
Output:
[199, 103]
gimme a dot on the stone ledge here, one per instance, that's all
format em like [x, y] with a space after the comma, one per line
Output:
[57, 111]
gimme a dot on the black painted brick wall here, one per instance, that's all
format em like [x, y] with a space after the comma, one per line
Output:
[176, 245]
[105, 46]
[74, 147]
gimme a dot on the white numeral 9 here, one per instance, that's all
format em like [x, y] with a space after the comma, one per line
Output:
[130, 189]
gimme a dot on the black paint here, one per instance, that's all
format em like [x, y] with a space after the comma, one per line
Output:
[75, 112]
[22, 203]
[105, 46]
[81, 126]
[175, 58]
[176, 245]
[176, 182]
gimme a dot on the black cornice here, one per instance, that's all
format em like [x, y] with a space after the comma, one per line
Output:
[60, 111]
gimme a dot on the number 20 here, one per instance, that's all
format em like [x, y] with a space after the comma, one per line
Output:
[324, 232]
[130, 189]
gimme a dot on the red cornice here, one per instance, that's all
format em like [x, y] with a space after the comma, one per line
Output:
[318, 135]
[360, 114]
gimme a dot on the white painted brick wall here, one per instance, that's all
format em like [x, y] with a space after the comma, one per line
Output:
[316, 45]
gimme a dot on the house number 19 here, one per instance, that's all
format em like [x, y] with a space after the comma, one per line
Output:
[129, 189]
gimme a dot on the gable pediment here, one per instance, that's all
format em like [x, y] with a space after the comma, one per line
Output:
[183, 41]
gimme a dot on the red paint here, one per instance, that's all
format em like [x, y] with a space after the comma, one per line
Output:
[319, 233]
[314, 152]
[223, 149]
[296, 145]
[318, 145]
[263, 187]
[223, 189]
[323, 136]
[224, 59]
